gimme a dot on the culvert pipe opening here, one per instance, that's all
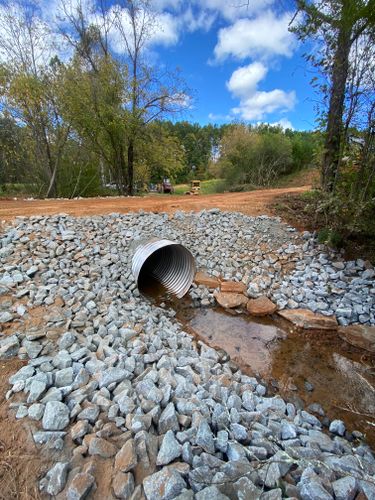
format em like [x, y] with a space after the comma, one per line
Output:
[163, 265]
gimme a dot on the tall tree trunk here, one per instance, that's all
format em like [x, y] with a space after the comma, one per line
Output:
[334, 131]
[130, 167]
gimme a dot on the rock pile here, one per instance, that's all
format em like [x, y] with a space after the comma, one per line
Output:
[113, 382]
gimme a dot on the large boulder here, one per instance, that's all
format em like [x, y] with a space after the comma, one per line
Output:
[230, 300]
[304, 318]
[262, 306]
[232, 286]
[206, 280]
[362, 336]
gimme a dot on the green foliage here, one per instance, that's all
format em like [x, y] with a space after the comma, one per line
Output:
[199, 145]
[254, 156]
[161, 155]
[92, 101]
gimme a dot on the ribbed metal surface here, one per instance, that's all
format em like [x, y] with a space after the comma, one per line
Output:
[173, 266]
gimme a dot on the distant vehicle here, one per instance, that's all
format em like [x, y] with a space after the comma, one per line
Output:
[195, 188]
[166, 186]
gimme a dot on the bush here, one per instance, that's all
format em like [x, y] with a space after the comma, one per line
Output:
[249, 156]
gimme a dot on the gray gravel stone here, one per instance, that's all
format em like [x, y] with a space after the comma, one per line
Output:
[314, 490]
[9, 347]
[168, 420]
[345, 488]
[337, 427]
[37, 389]
[163, 485]
[123, 485]
[36, 411]
[169, 450]
[204, 437]
[56, 478]
[80, 487]
[56, 416]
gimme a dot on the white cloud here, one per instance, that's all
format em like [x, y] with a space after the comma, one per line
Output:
[263, 36]
[284, 123]
[261, 103]
[254, 103]
[167, 30]
[193, 20]
[234, 9]
[246, 78]
[213, 117]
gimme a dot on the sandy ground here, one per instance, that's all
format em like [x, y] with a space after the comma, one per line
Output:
[249, 203]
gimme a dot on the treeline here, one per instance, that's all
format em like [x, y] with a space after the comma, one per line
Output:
[78, 118]
[243, 156]
[77, 114]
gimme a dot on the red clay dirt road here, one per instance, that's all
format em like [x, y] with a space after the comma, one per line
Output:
[249, 203]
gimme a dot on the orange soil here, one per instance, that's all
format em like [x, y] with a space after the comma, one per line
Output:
[249, 203]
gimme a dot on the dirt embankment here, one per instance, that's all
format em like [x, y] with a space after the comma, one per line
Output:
[250, 203]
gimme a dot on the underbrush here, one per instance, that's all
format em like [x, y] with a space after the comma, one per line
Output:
[339, 221]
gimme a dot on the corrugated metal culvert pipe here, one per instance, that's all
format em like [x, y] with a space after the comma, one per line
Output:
[159, 263]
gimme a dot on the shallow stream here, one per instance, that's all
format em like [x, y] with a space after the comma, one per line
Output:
[304, 367]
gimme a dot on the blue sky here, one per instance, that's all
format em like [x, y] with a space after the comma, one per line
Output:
[241, 63]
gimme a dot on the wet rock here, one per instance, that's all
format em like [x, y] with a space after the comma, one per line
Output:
[304, 318]
[81, 486]
[362, 336]
[169, 450]
[262, 306]
[163, 485]
[101, 447]
[232, 287]
[123, 485]
[206, 280]
[56, 416]
[126, 458]
[230, 300]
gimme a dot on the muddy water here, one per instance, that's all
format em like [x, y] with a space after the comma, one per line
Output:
[304, 367]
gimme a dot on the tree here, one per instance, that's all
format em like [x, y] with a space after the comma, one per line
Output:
[254, 156]
[162, 153]
[338, 24]
[28, 83]
[153, 93]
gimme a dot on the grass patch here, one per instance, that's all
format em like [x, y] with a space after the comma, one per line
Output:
[304, 177]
